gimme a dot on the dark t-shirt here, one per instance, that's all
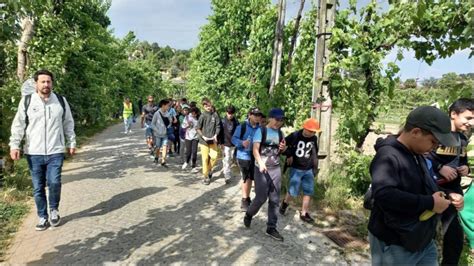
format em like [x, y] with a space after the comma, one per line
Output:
[302, 149]
[149, 111]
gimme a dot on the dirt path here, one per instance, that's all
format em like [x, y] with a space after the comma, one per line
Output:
[118, 207]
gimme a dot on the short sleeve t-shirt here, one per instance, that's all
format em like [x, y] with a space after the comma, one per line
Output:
[269, 151]
[149, 111]
[303, 150]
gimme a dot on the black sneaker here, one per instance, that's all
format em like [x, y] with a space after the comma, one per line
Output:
[273, 233]
[244, 205]
[55, 218]
[306, 218]
[42, 225]
[156, 160]
[164, 164]
[247, 220]
[206, 181]
[283, 207]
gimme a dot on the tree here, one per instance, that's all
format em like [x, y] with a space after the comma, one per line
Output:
[362, 38]
[430, 83]
[410, 84]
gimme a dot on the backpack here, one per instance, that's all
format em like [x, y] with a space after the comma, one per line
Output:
[28, 101]
[264, 138]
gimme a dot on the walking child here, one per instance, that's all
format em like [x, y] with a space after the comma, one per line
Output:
[268, 144]
[302, 158]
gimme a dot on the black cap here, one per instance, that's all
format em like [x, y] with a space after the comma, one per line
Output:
[435, 121]
[255, 111]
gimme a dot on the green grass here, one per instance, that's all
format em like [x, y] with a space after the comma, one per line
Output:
[13, 207]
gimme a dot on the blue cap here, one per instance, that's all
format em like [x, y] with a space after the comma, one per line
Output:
[276, 113]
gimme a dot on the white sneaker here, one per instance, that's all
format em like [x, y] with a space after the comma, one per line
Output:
[55, 218]
[194, 170]
[184, 166]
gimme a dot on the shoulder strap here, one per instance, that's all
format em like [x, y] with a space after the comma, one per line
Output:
[264, 136]
[243, 128]
[61, 102]
[27, 104]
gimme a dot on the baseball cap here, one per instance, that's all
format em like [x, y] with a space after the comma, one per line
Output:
[276, 113]
[255, 111]
[435, 121]
[311, 124]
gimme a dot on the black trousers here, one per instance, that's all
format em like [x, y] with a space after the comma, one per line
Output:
[191, 151]
[453, 240]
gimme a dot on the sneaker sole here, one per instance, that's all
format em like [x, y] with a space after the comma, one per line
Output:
[276, 238]
[55, 224]
[41, 229]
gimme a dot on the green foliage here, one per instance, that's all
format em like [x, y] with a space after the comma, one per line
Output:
[348, 179]
[93, 69]
[13, 207]
[19, 179]
[362, 39]
[410, 84]
[230, 63]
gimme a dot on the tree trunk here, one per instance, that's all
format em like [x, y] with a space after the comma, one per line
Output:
[278, 47]
[295, 36]
[27, 27]
[369, 87]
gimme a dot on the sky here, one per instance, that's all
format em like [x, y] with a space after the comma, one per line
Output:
[177, 23]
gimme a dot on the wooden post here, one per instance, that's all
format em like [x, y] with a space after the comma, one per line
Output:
[278, 46]
[27, 26]
[321, 100]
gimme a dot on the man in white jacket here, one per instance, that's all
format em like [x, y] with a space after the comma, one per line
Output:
[47, 124]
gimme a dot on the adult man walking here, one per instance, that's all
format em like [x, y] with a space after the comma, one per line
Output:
[148, 111]
[45, 120]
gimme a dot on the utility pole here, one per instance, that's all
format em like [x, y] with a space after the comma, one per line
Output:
[278, 46]
[321, 100]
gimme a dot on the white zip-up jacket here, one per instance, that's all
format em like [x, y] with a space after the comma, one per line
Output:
[46, 128]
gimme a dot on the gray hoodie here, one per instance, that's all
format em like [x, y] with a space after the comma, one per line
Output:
[46, 131]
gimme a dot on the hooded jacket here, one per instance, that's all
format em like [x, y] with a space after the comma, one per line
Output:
[158, 125]
[453, 157]
[402, 190]
[47, 133]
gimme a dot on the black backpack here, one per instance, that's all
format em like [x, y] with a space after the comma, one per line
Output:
[28, 101]
[264, 138]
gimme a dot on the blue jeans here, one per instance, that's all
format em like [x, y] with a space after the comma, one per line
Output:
[303, 178]
[128, 123]
[383, 254]
[46, 170]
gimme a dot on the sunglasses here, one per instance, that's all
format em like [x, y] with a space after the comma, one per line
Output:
[280, 119]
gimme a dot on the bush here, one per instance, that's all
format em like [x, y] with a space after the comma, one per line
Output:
[347, 180]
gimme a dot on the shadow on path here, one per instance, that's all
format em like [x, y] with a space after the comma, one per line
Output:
[115, 203]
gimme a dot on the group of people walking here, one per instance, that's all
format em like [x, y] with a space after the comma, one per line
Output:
[255, 145]
[415, 174]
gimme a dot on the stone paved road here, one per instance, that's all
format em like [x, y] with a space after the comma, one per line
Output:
[118, 208]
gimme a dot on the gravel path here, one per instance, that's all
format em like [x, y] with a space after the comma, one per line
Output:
[118, 207]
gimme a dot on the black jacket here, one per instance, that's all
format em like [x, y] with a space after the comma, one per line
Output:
[402, 189]
[227, 131]
[451, 156]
